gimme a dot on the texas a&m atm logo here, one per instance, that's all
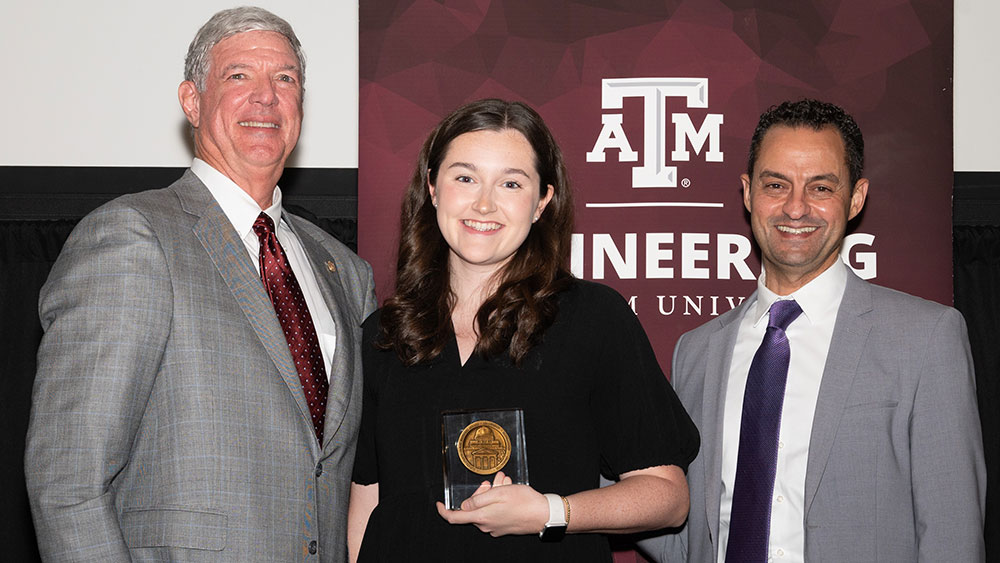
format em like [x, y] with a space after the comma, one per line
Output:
[655, 170]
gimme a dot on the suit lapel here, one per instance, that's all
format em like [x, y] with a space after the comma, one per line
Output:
[850, 334]
[230, 257]
[341, 374]
[713, 407]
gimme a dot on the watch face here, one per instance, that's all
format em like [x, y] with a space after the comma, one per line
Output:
[553, 532]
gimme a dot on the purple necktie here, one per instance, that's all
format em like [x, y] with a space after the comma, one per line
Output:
[290, 306]
[750, 520]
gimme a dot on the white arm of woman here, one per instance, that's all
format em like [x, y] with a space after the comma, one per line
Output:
[364, 499]
[644, 499]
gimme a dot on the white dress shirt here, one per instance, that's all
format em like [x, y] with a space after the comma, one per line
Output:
[242, 211]
[809, 340]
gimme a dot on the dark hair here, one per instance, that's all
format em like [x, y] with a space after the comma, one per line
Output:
[817, 115]
[416, 321]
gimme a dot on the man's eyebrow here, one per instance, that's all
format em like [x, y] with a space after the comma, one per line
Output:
[235, 66]
[241, 66]
[765, 173]
[828, 177]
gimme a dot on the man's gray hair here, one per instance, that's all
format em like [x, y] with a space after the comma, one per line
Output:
[228, 23]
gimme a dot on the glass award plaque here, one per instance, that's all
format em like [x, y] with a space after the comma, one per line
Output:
[476, 444]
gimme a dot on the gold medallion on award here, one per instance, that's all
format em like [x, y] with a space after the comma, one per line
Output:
[478, 444]
[483, 447]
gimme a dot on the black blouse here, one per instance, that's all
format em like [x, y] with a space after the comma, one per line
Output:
[595, 402]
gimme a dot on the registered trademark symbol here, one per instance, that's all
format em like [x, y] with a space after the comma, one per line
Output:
[686, 183]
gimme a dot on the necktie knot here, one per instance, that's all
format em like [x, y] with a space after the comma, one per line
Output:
[783, 313]
[263, 226]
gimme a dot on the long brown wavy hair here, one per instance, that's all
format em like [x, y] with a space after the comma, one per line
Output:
[416, 321]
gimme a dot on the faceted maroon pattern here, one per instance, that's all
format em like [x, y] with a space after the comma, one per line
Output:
[888, 62]
[290, 306]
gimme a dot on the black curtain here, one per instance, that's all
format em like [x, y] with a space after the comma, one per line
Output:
[27, 251]
[977, 296]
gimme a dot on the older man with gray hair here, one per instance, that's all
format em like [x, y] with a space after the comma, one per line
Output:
[199, 386]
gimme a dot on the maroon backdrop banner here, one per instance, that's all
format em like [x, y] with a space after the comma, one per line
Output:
[653, 105]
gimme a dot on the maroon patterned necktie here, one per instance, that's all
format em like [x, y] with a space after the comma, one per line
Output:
[297, 323]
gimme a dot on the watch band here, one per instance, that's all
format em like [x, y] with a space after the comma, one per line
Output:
[555, 528]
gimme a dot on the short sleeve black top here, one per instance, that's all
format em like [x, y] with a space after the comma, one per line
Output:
[594, 399]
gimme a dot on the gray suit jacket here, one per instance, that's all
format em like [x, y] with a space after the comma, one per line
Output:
[895, 469]
[168, 422]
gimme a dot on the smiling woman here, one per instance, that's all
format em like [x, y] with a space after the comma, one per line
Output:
[487, 196]
[487, 317]
[499, 161]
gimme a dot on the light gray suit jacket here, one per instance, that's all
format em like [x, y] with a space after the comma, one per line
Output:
[895, 469]
[168, 422]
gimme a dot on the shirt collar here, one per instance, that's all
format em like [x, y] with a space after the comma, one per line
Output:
[818, 299]
[239, 207]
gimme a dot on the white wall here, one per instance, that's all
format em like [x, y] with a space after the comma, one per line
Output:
[93, 83]
[977, 86]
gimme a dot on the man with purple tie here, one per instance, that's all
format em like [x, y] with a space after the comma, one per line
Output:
[838, 418]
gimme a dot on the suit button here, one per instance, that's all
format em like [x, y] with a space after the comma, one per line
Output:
[319, 469]
[312, 547]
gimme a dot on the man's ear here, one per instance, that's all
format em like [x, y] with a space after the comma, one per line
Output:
[858, 197]
[746, 190]
[190, 102]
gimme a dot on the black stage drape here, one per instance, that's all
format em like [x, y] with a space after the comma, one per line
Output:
[977, 296]
[28, 249]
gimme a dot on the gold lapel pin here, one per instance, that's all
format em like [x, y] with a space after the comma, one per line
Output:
[331, 266]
